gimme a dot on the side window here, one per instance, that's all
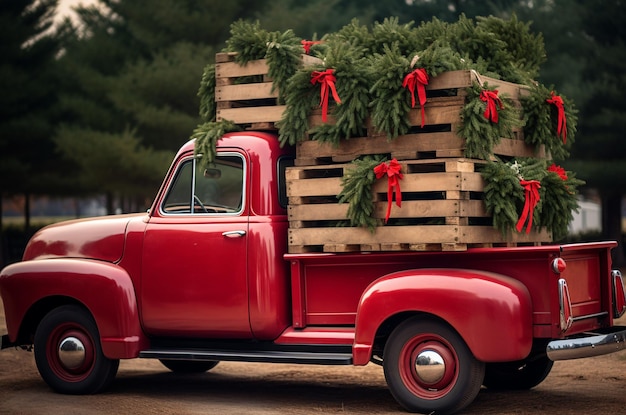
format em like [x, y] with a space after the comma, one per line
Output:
[178, 199]
[283, 163]
[217, 189]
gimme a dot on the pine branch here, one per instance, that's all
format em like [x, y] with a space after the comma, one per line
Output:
[207, 135]
[480, 134]
[540, 122]
[357, 191]
[206, 92]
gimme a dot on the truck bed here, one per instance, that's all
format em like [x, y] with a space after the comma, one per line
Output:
[326, 288]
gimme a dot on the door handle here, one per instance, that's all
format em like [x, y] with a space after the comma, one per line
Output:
[234, 234]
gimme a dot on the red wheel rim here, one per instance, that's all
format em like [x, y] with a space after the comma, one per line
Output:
[417, 346]
[75, 373]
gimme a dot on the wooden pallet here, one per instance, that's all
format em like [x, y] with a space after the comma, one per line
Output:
[244, 94]
[442, 209]
[446, 99]
[418, 145]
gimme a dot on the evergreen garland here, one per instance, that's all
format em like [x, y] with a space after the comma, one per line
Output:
[206, 93]
[525, 50]
[249, 40]
[390, 101]
[391, 32]
[559, 202]
[283, 59]
[206, 136]
[540, 119]
[481, 134]
[301, 98]
[353, 81]
[354, 34]
[504, 196]
[357, 191]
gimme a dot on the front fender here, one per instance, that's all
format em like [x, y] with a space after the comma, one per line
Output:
[105, 289]
[492, 312]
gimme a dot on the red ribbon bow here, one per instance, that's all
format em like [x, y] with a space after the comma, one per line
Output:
[560, 171]
[493, 103]
[327, 80]
[561, 124]
[531, 188]
[418, 79]
[394, 175]
[306, 44]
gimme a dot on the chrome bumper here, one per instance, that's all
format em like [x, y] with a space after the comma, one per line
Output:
[592, 345]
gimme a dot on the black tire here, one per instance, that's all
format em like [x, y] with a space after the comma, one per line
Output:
[517, 375]
[456, 380]
[189, 366]
[72, 370]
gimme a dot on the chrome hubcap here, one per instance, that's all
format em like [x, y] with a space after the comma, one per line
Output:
[430, 366]
[71, 352]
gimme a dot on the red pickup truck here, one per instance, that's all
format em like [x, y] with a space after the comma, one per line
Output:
[205, 276]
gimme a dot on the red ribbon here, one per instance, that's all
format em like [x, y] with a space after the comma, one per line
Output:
[531, 188]
[418, 79]
[306, 44]
[327, 80]
[560, 171]
[561, 124]
[493, 103]
[394, 175]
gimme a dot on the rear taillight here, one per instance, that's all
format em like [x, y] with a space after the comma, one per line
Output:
[619, 296]
[565, 306]
[558, 265]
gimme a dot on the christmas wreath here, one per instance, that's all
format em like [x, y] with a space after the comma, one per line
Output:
[526, 194]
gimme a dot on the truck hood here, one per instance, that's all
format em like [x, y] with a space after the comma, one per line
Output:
[99, 238]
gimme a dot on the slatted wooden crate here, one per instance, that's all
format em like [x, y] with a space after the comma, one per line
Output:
[442, 209]
[446, 99]
[244, 94]
[419, 145]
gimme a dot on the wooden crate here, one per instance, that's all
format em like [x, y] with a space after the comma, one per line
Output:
[418, 145]
[446, 99]
[244, 93]
[442, 209]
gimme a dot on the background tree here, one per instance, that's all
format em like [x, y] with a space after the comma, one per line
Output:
[28, 163]
[133, 73]
[600, 148]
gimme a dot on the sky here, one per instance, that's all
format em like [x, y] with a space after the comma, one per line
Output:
[65, 6]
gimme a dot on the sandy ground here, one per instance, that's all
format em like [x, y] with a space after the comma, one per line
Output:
[586, 386]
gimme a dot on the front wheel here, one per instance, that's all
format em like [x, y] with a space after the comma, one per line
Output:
[68, 352]
[429, 368]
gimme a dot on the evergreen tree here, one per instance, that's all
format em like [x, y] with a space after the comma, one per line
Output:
[28, 164]
[600, 151]
[132, 82]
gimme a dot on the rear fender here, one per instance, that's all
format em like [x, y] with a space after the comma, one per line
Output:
[492, 312]
[105, 289]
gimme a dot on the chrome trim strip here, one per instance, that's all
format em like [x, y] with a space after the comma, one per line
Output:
[602, 314]
[594, 345]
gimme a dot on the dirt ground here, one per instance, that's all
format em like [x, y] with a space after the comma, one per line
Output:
[586, 386]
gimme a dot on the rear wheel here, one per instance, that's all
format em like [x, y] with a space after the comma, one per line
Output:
[188, 366]
[68, 352]
[429, 368]
[517, 375]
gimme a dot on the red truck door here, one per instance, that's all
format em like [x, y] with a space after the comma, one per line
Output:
[194, 279]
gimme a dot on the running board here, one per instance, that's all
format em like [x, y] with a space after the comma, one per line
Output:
[262, 356]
